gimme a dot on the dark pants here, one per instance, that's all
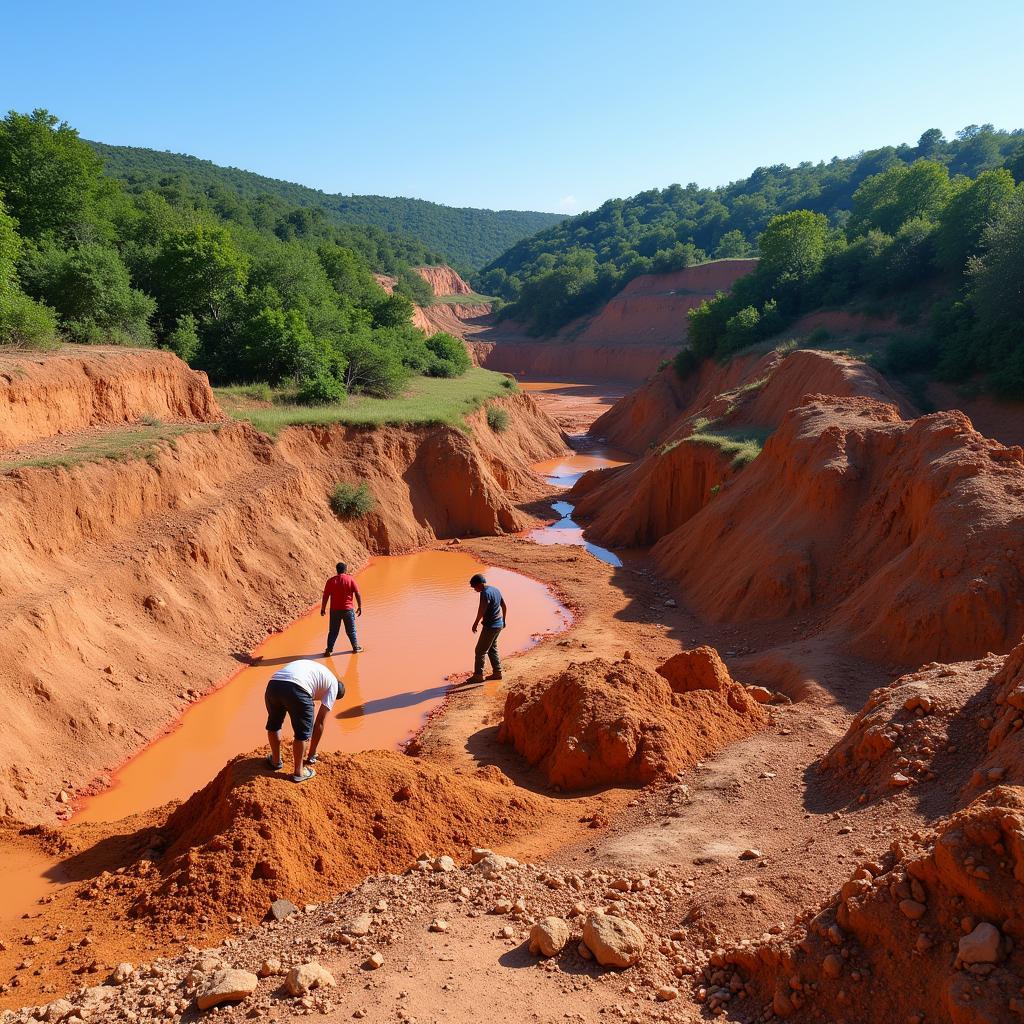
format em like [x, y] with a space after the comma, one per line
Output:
[285, 698]
[348, 616]
[487, 646]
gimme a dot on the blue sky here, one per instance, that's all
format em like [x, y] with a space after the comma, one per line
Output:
[552, 106]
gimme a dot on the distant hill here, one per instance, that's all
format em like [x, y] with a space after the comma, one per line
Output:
[465, 236]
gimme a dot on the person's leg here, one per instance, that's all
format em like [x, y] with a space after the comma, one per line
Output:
[301, 713]
[275, 719]
[483, 641]
[298, 756]
[334, 629]
[349, 618]
[492, 653]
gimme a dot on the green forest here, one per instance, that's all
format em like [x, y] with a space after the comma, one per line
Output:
[943, 251]
[465, 237]
[571, 268]
[248, 288]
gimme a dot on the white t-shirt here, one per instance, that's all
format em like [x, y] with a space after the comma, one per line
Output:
[320, 683]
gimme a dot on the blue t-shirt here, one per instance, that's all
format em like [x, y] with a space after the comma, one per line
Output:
[490, 599]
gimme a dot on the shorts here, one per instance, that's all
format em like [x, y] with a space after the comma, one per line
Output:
[283, 697]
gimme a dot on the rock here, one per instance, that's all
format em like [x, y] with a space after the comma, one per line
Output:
[301, 980]
[478, 853]
[122, 972]
[981, 946]
[671, 603]
[782, 1005]
[614, 941]
[699, 669]
[493, 864]
[227, 986]
[549, 936]
[751, 854]
[58, 1010]
[359, 925]
[502, 907]
[667, 993]
[439, 924]
[444, 864]
[760, 694]
[374, 962]
[62, 797]
[832, 966]
[281, 909]
[898, 780]
[584, 952]
[912, 909]
[270, 968]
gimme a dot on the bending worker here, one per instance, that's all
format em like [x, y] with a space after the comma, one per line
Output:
[492, 612]
[346, 604]
[293, 691]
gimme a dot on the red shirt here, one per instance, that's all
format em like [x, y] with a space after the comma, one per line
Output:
[342, 590]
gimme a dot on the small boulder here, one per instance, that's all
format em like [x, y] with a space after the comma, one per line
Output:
[359, 926]
[270, 968]
[981, 946]
[374, 962]
[281, 909]
[122, 972]
[549, 936]
[227, 986]
[301, 980]
[614, 941]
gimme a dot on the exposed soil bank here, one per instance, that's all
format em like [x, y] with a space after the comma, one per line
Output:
[126, 586]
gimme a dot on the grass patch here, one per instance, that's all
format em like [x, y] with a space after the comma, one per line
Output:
[428, 401]
[742, 444]
[472, 299]
[352, 501]
[122, 445]
[261, 392]
[497, 419]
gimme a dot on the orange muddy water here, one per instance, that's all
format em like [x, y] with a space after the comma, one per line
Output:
[415, 631]
[574, 405]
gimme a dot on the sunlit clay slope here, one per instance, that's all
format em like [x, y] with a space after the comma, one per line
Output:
[698, 433]
[626, 339]
[46, 394]
[907, 533]
[125, 583]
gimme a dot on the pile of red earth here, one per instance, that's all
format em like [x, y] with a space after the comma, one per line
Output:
[933, 931]
[250, 837]
[602, 723]
[960, 722]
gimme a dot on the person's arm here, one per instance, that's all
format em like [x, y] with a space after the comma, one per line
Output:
[504, 612]
[479, 614]
[318, 730]
[323, 600]
[359, 598]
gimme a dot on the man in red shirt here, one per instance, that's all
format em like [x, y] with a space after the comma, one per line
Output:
[346, 604]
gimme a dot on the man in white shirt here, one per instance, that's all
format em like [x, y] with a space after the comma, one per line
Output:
[293, 691]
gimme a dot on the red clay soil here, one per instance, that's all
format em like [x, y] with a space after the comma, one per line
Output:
[626, 339]
[126, 586]
[460, 319]
[444, 280]
[930, 567]
[932, 931]
[600, 723]
[42, 394]
[641, 503]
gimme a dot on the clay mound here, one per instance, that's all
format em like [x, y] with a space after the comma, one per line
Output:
[963, 723]
[76, 387]
[459, 319]
[444, 280]
[932, 931]
[250, 837]
[931, 567]
[612, 723]
[676, 478]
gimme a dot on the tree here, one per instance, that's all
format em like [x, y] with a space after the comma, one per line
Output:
[930, 142]
[52, 181]
[270, 345]
[372, 369]
[450, 356]
[887, 200]
[184, 339]
[393, 311]
[793, 245]
[996, 275]
[966, 216]
[23, 322]
[197, 270]
[733, 245]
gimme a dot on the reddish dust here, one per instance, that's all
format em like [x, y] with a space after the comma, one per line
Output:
[415, 631]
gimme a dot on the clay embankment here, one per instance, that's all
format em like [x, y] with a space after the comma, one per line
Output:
[71, 390]
[626, 339]
[680, 472]
[444, 280]
[928, 568]
[125, 586]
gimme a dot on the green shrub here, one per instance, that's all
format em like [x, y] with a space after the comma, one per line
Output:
[352, 501]
[321, 389]
[497, 419]
[685, 362]
[25, 323]
[819, 336]
[184, 339]
[509, 383]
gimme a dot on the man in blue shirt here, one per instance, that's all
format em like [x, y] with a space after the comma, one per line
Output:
[491, 613]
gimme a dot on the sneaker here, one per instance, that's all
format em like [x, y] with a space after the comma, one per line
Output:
[495, 675]
[475, 678]
[328, 653]
[356, 650]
